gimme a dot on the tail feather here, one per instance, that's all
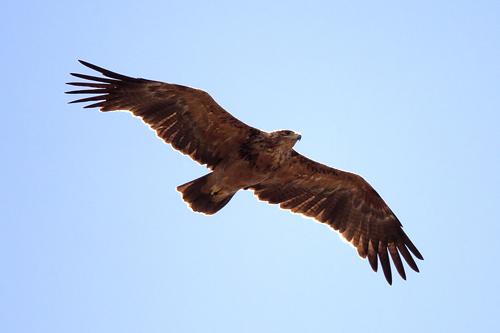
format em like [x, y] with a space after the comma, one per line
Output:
[200, 198]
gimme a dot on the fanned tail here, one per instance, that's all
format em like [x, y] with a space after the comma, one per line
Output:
[201, 198]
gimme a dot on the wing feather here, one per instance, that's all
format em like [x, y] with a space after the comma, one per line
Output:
[348, 204]
[187, 118]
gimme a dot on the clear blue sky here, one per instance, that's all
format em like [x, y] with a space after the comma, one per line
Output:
[94, 237]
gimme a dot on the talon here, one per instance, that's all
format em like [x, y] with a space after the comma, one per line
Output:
[215, 190]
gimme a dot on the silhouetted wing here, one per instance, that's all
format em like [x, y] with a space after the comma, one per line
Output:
[348, 204]
[187, 118]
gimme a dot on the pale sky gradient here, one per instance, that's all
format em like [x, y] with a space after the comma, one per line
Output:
[94, 237]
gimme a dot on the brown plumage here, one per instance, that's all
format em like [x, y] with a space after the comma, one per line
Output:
[243, 157]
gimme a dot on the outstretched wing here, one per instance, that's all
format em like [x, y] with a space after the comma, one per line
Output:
[187, 118]
[348, 204]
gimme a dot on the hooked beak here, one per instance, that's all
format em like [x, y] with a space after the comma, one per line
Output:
[299, 137]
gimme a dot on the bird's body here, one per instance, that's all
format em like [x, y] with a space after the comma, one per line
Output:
[243, 157]
[249, 164]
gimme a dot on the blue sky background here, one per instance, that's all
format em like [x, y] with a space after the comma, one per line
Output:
[94, 237]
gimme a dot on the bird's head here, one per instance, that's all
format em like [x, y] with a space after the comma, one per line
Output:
[286, 137]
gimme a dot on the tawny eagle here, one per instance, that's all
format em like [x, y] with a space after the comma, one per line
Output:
[243, 157]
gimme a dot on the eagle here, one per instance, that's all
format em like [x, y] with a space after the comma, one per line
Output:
[242, 157]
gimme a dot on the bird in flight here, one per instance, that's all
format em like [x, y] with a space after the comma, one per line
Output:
[242, 157]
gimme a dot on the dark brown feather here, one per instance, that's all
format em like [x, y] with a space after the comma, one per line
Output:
[372, 254]
[384, 261]
[396, 259]
[88, 84]
[348, 204]
[404, 252]
[105, 72]
[187, 118]
[89, 99]
[93, 78]
[88, 91]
